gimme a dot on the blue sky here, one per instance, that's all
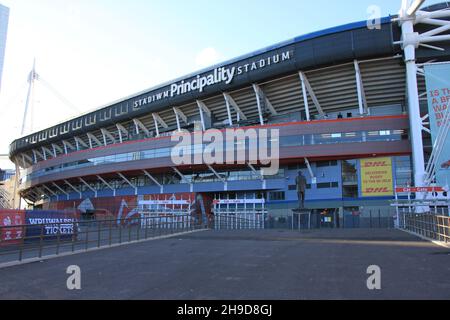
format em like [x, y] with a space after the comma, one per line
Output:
[96, 51]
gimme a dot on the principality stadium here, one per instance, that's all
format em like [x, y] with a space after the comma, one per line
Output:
[346, 106]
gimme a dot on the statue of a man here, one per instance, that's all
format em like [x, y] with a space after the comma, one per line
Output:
[300, 181]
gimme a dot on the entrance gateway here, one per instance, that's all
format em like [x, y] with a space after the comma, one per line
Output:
[238, 211]
[234, 213]
[165, 214]
[225, 211]
[246, 211]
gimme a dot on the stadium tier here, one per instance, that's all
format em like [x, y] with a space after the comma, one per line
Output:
[332, 103]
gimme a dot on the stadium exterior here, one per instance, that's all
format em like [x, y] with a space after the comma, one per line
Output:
[338, 98]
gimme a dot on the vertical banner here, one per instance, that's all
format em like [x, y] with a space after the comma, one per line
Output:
[11, 230]
[376, 177]
[437, 78]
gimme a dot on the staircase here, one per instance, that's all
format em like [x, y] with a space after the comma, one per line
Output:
[5, 199]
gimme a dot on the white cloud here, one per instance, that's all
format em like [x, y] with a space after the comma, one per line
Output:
[207, 57]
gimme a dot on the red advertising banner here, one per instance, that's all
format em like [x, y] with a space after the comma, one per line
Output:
[121, 208]
[108, 208]
[9, 232]
[419, 189]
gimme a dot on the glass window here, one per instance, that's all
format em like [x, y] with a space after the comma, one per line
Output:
[324, 185]
[277, 196]
[349, 172]
[350, 191]
[327, 185]
[296, 167]
[323, 164]
[289, 141]
[403, 171]
[350, 178]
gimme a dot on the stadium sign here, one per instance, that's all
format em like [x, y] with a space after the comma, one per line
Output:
[219, 75]
[199, 83]
[419, 189]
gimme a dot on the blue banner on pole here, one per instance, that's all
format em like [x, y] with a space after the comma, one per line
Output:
[437, 77]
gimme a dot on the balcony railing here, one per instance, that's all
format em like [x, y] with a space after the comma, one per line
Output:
[285, 141]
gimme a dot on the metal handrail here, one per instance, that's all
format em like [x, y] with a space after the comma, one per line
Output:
[430, 226]
[229, 220]
[49, 239]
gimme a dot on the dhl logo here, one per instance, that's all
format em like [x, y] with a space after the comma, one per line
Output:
[373, 164]
[377, 190]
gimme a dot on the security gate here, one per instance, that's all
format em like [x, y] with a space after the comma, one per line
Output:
[436, 199]
[239, 214]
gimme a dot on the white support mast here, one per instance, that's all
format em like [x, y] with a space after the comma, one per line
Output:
[406, 21]
[32, 77]
[29, 104]
[410, 14]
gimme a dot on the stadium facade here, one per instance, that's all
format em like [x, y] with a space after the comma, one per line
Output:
[338, 99]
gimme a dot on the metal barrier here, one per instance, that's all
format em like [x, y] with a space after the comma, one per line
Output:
[52, 239]
[166, 221]
[247, 221]
[430, 226]
[239, 213]
[435, 200]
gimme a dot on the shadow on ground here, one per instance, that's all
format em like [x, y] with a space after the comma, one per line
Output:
[271, 264]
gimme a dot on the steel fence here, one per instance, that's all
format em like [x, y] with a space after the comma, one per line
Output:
[239, 222]
[50, 239]
[431, 226]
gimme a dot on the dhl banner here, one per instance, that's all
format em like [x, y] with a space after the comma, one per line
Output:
[376, 177]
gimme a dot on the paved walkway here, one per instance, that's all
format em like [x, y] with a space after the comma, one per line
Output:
[325, 264]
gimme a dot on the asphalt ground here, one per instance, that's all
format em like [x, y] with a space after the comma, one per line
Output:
[85, 240]
[270, 264]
